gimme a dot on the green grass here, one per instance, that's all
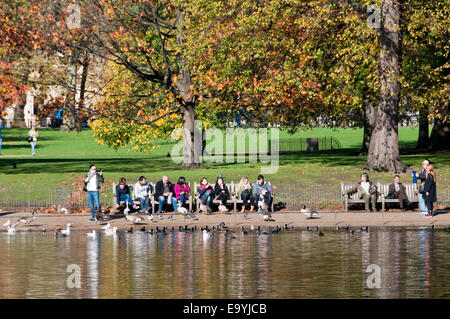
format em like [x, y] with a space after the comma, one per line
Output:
[64, 157]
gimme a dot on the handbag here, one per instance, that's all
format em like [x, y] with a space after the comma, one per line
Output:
[29, 139]
[422, 189]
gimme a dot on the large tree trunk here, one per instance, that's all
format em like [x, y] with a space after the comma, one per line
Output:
[184, 85]
[383, 153]
[191, 147]
[69, 107]
[84, 74]
[369, 123]
[440, 135]
[423, 140]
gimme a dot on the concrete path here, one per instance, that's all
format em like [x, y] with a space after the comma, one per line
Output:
[325, 220]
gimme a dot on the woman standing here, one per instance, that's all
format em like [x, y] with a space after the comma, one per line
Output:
[244, 192]
[33, 136]
[429, 190]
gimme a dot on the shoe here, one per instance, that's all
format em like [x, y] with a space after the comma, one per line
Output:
[428, 215]
[423, 213]
[92, 220]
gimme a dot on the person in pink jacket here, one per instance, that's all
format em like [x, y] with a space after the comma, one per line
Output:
[181, 191]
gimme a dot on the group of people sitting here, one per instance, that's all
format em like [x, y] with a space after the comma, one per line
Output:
[177, 195]
[367, 190]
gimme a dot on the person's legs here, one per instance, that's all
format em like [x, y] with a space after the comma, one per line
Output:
[209, 200]
[161, 200]
[126, 198]
[366, 198]
[91, 200]
[33, 148]
[268, 199]
[174, 204]
[422, 206]
[373, 199]
[146, 202]
[429, 205]
[1, 141]
[182, 199]
[401, 200]
[97, 203]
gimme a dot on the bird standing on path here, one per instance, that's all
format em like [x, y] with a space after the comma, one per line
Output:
[310, 214]
[28, 220]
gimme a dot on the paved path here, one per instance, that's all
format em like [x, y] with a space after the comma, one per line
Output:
[325, 220]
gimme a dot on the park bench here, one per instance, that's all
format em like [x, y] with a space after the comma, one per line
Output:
[233, 200]
[382, 189]
[152, 200]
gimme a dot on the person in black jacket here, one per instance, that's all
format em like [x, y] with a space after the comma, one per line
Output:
[422, 177]
[221, 191]
[429, 194]
[164, 193]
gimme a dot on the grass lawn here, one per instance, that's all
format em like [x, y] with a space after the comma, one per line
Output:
[64, 157]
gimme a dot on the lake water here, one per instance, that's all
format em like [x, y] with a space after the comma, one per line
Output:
[296, 264]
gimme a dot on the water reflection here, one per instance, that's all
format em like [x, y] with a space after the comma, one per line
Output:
[414, 264]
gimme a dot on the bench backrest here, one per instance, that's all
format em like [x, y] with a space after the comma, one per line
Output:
[410, 190]
[231, 187]
[383, 189]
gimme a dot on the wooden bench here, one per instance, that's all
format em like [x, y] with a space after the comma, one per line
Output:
[233, 200]
[382, 192]
[152, 200]
[411, 192]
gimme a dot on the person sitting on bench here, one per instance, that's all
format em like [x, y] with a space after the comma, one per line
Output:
[366, 190]
[142, 191]
[164, 193]
[123, 193]
[206, 192]
[398, 191]
[262, 191]
[182, 191]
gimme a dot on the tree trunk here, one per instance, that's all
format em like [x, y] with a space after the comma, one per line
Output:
[440, 135]
[384, 153]
[369, 123]
[69, 108]
[190, 155]
[184, 84]
[84, 74]
[424, 140]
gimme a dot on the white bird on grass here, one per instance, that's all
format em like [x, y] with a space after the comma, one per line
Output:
[311, 214]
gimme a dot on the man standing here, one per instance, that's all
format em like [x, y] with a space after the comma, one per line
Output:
[366, 190]
[262, 192]
[422, 176]
[164, 193]
[398, 190]
[92, 187]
